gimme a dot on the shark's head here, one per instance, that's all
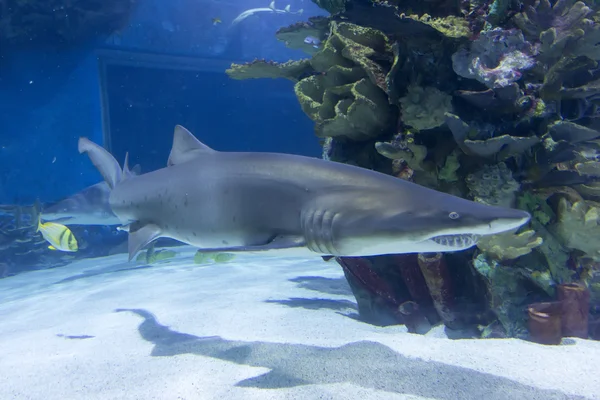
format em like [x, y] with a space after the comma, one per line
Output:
[426, 221]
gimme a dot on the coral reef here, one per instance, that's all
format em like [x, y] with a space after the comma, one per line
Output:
[496, 101]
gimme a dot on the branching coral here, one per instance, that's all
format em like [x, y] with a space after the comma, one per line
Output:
[508, 246]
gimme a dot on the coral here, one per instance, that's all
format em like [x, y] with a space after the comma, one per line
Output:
[561, 29]
[449, 27]
[508, 246]
[412, 276]
[437, 278]
[413, 154]
[333, 6]
[498, 147]
[424, 107]
[545, 322]
[343, 87]
[356, 111]
[377, 301]
[578, 226]
[575, 302]
[493, 185]
[305, 36]
[451, 165]
[536, 206]
[506, 292]
[497, 58]
[292, 70]
[571, 132]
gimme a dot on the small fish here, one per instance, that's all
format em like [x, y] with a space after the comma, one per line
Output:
[312, 40]
[216, 21]
[59, 236]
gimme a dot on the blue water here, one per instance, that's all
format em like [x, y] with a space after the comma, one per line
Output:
[50, 97]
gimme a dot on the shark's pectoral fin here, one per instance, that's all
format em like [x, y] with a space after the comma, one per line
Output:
[276, 243]
[141, 237]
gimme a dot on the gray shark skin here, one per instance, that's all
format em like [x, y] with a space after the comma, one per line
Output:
[290, 205]
[88, 207]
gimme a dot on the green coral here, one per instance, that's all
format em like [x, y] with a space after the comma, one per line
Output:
[450, 26]
[293, 36]
[257, 69]
[411, 153]
[578, 226]
[425, 107]
[357, 111]
[536, 206]
[343, 87]
[508, 245]
[451, 166]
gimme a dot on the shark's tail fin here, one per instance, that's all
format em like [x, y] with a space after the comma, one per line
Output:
[106, 164]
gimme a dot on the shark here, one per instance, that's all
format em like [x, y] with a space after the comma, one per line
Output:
[288, 205]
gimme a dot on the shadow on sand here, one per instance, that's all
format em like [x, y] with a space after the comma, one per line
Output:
[368, 364]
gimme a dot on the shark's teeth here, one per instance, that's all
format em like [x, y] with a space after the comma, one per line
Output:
[457, 241]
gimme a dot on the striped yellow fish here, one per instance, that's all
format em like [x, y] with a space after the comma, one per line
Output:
[59, 236]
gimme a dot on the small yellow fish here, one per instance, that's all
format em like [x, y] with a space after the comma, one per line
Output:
[59, 236]
[216, 21]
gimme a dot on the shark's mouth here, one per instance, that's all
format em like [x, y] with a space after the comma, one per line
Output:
[457, 241]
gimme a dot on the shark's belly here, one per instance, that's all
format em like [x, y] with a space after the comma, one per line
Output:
[212, 214]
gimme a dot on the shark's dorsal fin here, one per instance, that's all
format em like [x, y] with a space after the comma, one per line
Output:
[137, 169]
[104, 161]
[272, 5]
[287, 8]
[126, 171]
[186, 147]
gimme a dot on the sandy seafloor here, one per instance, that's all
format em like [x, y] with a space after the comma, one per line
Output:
[254, 328]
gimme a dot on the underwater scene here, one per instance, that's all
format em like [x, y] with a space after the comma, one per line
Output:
[300, 199]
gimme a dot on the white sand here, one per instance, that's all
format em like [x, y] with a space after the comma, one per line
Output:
[255, 328]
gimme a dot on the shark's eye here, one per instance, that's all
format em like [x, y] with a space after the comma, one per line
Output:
[453, 215]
